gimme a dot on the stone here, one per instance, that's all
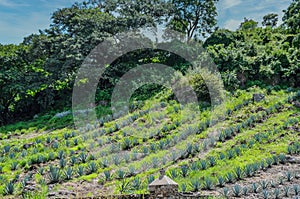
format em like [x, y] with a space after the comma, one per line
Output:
[296, 104]
[258, 97]
[163, 187]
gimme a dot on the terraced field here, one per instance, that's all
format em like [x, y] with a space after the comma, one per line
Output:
[249, 150]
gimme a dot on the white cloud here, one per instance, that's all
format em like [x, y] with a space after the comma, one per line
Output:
[9, 3]
[14, 28]
[226, 4]
[232, 24]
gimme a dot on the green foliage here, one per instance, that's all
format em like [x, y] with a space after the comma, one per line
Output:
[291, 16]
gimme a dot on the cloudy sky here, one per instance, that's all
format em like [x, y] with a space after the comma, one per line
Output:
[20, 18]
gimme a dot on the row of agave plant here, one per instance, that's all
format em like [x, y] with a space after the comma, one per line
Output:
[238, 173]
[260, 137]
[81, 170]
[162, 144]
[65, 173]
[263, 188]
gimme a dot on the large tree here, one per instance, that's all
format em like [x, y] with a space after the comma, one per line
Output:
[291, 16]
[270, 20]
[194, 18]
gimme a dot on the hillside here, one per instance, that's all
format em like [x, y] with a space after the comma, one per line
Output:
[239, 148]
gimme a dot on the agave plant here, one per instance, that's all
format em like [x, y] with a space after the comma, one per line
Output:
[265, 194]
[150, 179]
[9, 188]
[286, 191]
[14, 166]
[282, 158]
[248, 170]
[121, 174]
[289, 176]
[83, 157]
[225, 192]
[221, 181]
[254, 188]
[239, 173]
[136, 183]
[68, 173]
[107, 175]
[230, 177]
[80, 170]
[184, 170]
[92, 167]
[54, 175]
[296, 189]
[195, 184]
[208, 183]
[236, 190]
[264, 184]
[277, 193]
[212, 161]
[245, 190]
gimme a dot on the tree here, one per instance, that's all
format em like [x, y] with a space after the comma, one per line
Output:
[248, 24]
[270, 20]
[194, 18]
[291, 18]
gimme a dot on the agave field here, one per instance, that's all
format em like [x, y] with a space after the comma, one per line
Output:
[248, 150]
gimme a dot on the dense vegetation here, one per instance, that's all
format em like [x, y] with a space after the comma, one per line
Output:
[37, 75]
[41, 152]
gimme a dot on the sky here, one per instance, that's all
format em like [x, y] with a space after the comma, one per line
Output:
[20, 18]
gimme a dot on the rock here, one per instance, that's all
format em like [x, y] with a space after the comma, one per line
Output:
[296, 104]
[258, 97]
[27, 146]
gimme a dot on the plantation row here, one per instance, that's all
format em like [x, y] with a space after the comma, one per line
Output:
[132, 162]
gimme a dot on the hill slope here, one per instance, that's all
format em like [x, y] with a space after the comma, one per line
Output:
[241, 144]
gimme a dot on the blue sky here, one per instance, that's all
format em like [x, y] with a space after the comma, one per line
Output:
[20, 18]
